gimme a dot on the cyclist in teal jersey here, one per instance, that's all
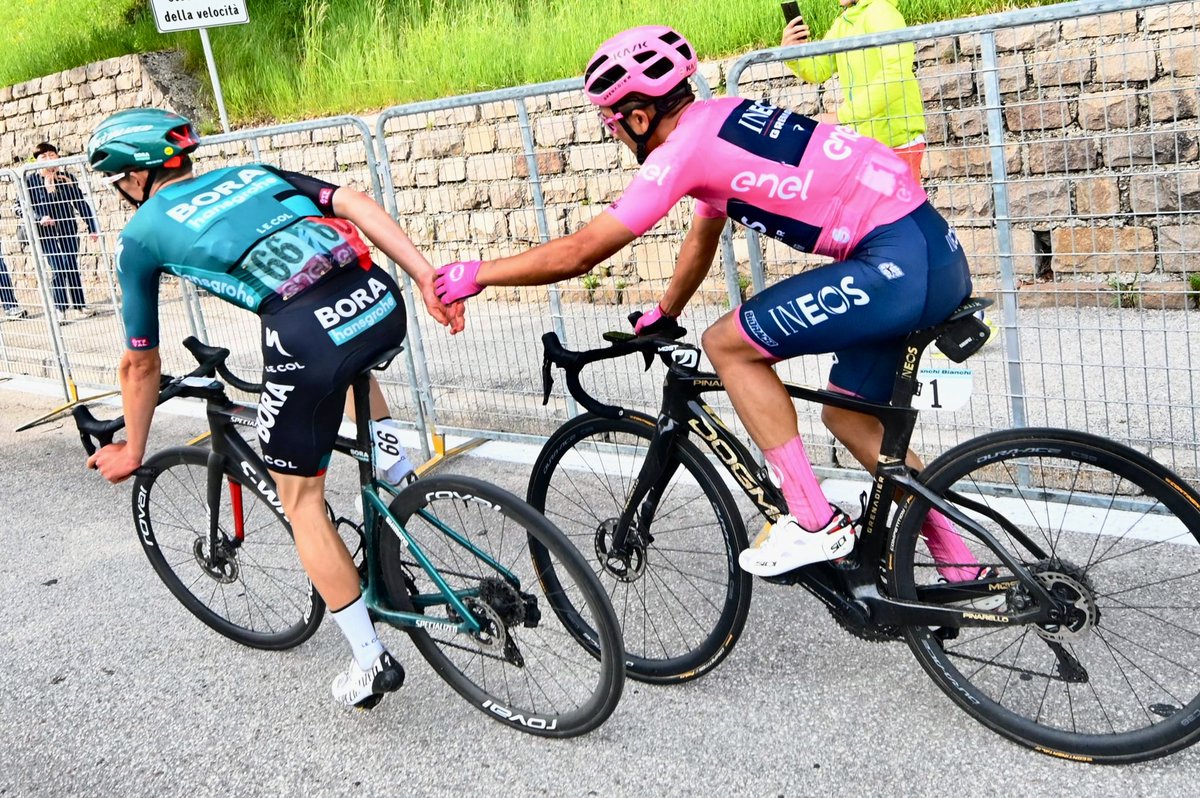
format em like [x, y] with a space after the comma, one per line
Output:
[285, 246]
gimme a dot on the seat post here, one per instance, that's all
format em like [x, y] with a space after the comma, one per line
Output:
[361, 388]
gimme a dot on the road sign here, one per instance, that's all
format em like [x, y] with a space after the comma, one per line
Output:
[174, 15]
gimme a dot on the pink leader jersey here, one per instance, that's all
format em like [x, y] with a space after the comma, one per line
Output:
[816, 187]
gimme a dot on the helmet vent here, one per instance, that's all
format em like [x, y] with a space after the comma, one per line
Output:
[658, 69]
[607, 79]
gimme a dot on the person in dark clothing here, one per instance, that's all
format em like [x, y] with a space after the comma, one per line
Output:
[8, 297]
[56, 199]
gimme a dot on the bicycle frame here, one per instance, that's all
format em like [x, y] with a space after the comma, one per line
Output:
[230, 451]
[858, 586]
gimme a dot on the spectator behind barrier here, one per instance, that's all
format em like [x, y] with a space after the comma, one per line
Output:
[880, 95]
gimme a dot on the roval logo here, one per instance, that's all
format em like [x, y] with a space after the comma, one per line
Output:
[529, 721]
[462, 497]
[143, 521]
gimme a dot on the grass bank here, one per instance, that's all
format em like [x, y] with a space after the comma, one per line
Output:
[317, 57]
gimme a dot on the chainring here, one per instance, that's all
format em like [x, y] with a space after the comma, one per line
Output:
[871, 634]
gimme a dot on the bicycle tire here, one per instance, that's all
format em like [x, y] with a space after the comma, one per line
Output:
[1113, 532]
[687, 606]
[545, 684]
[171, 516]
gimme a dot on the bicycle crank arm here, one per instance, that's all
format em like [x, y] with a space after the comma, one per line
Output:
[893, 612]
[822, 582]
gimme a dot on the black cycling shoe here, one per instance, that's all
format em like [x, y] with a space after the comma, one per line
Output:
[364, 689]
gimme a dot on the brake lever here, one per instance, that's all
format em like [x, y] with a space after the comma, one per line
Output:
[547, 380]
[648, 356]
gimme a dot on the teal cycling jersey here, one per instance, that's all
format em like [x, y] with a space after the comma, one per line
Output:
[245, 234]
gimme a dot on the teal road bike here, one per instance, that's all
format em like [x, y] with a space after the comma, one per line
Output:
[455, 562]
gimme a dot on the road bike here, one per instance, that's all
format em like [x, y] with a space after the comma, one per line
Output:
[448, 560]
[1079, 636]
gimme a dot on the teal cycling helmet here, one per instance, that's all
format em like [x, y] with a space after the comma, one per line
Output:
[141, 138]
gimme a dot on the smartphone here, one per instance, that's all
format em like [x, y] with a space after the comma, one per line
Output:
[791, 10]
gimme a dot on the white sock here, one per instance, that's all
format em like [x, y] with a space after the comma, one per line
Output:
[355, 623]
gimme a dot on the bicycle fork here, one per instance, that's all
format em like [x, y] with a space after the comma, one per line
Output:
[216, 560]
[631, 534]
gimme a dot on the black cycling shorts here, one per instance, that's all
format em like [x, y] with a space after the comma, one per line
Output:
[314, 345]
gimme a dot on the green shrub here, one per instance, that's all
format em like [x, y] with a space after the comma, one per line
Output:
[306, 58]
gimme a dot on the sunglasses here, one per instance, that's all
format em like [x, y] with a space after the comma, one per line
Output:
[610, 122]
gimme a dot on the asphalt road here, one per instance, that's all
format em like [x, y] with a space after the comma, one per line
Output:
[109, 687]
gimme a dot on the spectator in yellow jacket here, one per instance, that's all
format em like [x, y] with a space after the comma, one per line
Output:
[880, 95]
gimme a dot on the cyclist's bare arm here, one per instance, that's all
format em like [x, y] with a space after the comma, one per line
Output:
[139, 377]
[562, 258]
[695, 259]
[385, 233]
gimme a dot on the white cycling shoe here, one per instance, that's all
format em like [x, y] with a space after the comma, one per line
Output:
[355, 687]
[785, 545]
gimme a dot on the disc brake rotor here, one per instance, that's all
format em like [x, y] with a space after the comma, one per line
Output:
[625, 567]
[222, 567]
[1070, 585]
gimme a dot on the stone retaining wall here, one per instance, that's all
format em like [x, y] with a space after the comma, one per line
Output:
[1101, 150]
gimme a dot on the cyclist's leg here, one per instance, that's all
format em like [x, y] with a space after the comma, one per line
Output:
[869, 371]
[307, 370]
[862, 435]
[322, 552]
[763, 405]
[812, 531]
[379, 405]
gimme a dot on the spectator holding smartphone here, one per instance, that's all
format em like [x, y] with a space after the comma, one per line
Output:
[880, 95]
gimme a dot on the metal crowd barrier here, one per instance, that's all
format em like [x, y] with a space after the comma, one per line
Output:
[482, 175]
[1068, 169]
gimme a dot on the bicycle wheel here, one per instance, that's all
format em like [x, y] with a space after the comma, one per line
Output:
[254, 591]
[683, 600]
[1114, 534]
[524, 668]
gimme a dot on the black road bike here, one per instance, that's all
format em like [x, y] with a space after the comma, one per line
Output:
[1080, 638]
[448, 560]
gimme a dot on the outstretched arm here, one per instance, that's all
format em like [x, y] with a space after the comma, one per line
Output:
[569, 256]
[695, 260]
[385, 233]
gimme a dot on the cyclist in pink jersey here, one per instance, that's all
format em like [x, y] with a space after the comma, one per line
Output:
[815, 187]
